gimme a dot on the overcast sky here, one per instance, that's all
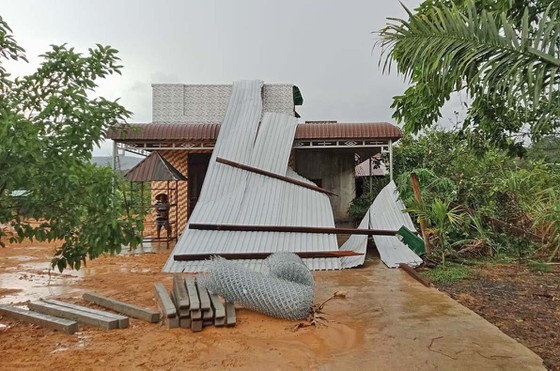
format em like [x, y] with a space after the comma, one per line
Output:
[324, 47]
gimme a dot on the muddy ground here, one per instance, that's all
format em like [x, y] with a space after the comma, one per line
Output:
[522, 302]
[387, 321]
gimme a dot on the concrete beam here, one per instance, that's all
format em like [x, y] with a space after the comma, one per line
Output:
[39, 319]
[75, 315]
[144, 314]
[205, 306]
[231, 318]
[122, 320]
[196, 313]
[166, 305]
[219, 310]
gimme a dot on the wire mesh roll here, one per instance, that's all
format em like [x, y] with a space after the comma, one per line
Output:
[286, 292]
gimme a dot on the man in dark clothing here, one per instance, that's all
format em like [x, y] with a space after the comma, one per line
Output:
[162, 214]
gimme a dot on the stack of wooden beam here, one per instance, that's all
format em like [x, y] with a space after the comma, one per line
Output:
[190, 306]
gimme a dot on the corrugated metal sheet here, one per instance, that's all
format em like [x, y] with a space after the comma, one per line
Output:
[154, 167]
[233, 196]
[385, 213]
[209, 132]
[166, 131]
[366, 130]
[367, 168]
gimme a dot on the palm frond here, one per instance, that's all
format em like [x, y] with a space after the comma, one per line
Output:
[473, 49]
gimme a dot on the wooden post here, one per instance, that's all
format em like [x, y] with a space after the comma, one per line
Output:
[418, 197]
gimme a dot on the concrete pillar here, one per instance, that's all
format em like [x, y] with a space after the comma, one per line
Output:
[332, 170]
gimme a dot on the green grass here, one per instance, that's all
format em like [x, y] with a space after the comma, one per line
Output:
[540, 267]
[449, 273]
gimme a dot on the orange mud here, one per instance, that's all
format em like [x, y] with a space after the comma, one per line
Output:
[387, 321]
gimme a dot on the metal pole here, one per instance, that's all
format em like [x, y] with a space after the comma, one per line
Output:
[391, 159]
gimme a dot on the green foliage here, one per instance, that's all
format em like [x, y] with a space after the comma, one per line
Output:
[504, 54]
[466, 191]
[450, 273]
[371, 188]
[50, 121]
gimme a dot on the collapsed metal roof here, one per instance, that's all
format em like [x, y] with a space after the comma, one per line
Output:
[152, 168]
[386, 212]
[232, 195]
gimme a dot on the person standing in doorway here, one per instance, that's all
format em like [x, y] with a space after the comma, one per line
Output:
[162, 214]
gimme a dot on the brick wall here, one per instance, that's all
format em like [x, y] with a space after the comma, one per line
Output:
[179, 160]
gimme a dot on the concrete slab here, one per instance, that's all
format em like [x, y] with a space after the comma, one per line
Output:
[122, 320]
[134, 311]
[39, 319]
[410, 326]
[74, 315]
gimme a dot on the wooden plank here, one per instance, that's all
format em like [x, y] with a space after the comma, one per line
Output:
[134, 311]
[418, 197]
[39, 319]
[417, 276]
[291, 229]
[74, 315]
[122, 320]
[167, 307]
[231, 318]
[273, 175]
[180, 292]
[196, 312]
[219, 310]
[233, 256]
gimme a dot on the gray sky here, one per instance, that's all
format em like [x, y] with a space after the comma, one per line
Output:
[324, 47]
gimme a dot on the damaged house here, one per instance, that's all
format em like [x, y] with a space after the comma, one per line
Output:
[248, 162]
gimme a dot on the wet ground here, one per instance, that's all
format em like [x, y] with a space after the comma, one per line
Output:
[523, 302]
[386, 321]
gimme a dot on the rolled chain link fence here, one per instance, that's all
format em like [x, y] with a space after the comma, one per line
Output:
[285, 291]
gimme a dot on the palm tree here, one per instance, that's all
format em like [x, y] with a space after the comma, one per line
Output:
[496, 59]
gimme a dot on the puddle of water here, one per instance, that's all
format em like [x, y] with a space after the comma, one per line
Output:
[21, 258]
[23, 286]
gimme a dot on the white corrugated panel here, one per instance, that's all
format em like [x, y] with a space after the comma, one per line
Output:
[234, 196]
[386, 212]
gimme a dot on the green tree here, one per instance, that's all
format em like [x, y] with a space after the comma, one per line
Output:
[504, 54]
[50, 121]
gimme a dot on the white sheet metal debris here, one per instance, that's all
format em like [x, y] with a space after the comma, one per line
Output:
[234, 196]
[386, 212]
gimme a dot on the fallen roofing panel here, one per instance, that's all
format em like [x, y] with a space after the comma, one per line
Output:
[386, 212]
[231, 195]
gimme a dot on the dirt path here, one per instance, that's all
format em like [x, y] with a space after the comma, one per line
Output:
[387, 321]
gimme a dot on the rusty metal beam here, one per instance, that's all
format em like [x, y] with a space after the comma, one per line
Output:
[273, 175]
[234, 256]
[291, 229]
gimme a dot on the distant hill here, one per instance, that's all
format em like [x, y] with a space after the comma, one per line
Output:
[126, 162]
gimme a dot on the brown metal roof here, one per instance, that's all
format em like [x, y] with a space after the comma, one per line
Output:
[153, 167]
[209, 132]
[365, 130]
[166, 131]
